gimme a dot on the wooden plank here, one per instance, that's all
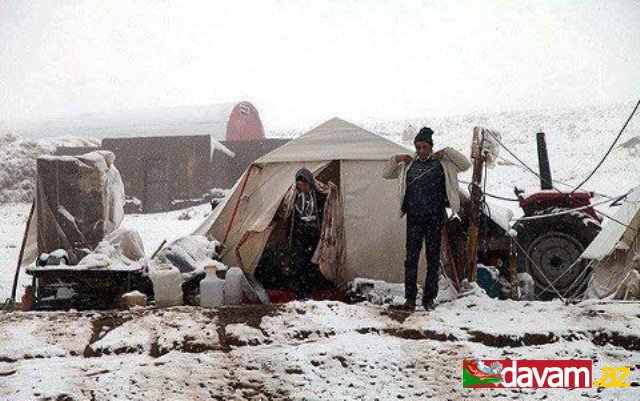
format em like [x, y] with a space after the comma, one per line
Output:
[476, 194]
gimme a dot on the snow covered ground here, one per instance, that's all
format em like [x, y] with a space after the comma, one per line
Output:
[308, 351]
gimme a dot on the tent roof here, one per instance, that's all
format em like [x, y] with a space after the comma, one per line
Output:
[335, 139]
[613, 232]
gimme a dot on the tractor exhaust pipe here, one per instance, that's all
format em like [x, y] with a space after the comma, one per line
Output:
[543, 162]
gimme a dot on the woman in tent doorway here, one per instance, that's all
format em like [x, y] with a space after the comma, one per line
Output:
[304, 235]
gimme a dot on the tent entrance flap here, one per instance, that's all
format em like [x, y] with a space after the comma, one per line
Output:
[256, 207]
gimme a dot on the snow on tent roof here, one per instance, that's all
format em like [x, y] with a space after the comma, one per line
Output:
[335, 139]
[613, 232]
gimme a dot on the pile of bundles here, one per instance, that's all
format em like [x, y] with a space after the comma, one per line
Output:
[176, 276]
[79, 200]
[85, 261]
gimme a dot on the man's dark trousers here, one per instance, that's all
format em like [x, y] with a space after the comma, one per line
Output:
[427, 228]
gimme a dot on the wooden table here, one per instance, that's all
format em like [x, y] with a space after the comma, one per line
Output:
[66, 287]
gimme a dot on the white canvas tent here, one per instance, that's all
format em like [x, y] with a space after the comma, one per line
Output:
[374, 235]
[615, 252]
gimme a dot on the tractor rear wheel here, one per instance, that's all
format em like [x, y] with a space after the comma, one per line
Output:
[549, 248]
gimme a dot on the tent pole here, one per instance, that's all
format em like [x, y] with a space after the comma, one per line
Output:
[235, 208]
[447, 245]
[14, 289]
[158, 249]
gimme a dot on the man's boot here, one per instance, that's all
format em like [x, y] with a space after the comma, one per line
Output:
[408, 305]
[428, 303]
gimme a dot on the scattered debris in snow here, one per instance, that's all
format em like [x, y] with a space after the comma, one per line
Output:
[306, 350]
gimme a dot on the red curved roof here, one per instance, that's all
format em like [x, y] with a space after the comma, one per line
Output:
[244, 123]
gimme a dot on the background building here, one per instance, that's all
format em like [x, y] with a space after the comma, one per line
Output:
[172, 157]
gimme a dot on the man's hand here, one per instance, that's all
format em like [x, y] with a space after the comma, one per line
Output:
[404, 159]
[439, 155]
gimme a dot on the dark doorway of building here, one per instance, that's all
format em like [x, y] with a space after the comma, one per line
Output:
[156, 186]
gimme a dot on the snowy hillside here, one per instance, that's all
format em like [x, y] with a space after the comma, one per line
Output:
[18, 162]
[577, 138]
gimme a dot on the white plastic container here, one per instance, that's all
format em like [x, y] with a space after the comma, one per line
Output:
[211, 289]
[233, 286]
[167, 285]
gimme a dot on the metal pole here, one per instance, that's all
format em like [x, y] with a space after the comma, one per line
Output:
[543, 162]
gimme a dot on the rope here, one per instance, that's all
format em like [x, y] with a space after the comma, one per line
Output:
[567, 211]
[580, 281]
[618, 221]
[563, 273]
[553, 180]
[492, 195]
[540, 270]
[622, 199]
[610, 148]
[524, 166]
[502, 198]
[518, 159]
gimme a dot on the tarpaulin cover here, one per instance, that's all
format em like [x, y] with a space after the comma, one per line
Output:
[615, 252]
[79, 200]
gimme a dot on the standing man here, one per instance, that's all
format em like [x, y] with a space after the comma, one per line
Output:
[428, 184]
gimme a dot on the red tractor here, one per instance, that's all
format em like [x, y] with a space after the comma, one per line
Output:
[556, 228]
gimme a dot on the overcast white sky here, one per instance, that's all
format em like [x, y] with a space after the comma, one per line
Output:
[301, 62]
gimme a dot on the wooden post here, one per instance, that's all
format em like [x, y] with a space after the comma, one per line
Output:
[478, 158]
[158, 249]
[14, 289]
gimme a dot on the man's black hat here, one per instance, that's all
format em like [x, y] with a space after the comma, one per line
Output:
[425, 135]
